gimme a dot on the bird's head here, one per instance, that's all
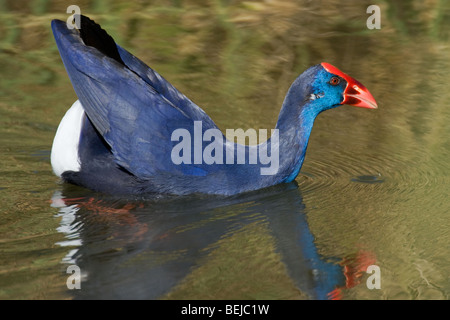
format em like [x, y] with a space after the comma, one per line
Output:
[331, 88]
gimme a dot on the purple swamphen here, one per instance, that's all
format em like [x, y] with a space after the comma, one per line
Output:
[132, 132]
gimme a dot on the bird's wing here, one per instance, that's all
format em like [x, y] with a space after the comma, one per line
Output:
[135, 112]
[163, 87]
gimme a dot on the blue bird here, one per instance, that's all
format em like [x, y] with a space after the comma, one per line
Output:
[132, 132]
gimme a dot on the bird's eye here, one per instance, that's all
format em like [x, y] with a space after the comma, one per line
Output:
[334, 81]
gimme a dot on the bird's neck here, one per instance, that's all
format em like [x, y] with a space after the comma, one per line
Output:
[294, 128]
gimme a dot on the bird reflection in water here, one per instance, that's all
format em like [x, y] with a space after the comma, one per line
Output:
[142, 248]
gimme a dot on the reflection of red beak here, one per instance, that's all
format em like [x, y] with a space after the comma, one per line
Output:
[355, 94]
[354, 268]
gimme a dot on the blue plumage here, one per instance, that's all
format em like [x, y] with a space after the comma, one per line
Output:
[131, 113]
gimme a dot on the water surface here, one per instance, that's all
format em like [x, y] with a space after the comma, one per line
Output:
[373, 190]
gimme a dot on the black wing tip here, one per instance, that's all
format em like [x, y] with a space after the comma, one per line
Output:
[93, 35]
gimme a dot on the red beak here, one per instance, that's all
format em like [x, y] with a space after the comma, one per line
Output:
[355, 94]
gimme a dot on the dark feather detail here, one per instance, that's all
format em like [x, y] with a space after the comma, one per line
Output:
[94, 36]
